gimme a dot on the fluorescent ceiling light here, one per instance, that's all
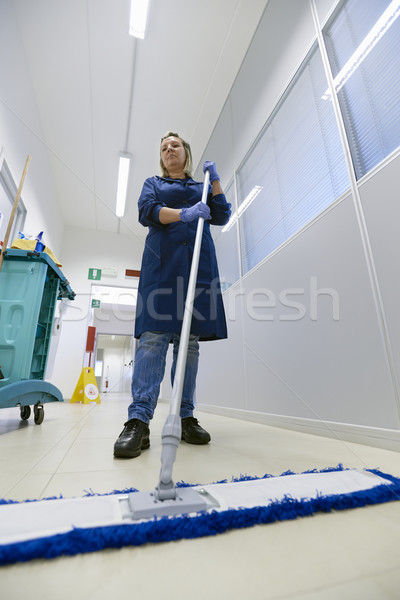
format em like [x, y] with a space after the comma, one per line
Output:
[123, 176]
[138, 18]
[245, 204]
[385, 21]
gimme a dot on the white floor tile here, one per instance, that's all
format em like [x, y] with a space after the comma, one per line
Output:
[349, 555]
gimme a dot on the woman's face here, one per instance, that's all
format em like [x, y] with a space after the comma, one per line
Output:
[173, 154]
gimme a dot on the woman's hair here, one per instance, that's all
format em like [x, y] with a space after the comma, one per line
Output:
[188, 164]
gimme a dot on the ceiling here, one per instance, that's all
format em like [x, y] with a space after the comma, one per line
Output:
[99, 91]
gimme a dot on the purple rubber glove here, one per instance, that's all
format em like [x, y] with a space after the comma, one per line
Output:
[194, 212]
[210, 166]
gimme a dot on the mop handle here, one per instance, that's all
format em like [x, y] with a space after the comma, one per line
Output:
[14, 210]
[187, 316]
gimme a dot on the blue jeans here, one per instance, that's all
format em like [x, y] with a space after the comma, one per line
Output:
[149, 370]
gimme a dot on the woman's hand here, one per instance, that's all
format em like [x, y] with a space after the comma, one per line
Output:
[194, 212]
[210, 166]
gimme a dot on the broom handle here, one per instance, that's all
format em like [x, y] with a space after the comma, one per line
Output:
[14, 210]
[187, 316]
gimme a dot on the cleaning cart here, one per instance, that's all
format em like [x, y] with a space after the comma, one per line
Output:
[30, 285]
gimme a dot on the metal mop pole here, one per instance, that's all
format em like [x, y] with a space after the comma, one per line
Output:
[171, 434]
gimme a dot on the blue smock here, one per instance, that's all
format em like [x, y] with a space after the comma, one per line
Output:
[167, 259]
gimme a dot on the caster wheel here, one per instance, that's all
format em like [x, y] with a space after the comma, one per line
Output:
[38, 413]
[25, 412]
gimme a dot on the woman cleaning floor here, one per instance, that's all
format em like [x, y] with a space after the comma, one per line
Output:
[170, 206]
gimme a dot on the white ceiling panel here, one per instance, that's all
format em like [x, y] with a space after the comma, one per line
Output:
[99, 91]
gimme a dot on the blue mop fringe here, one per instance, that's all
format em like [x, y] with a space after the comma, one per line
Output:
[166, 529]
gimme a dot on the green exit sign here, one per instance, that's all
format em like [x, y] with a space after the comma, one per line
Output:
[94, 274]
[95, 303]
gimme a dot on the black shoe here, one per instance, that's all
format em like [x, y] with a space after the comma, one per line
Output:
[134, 438]
[193, 433]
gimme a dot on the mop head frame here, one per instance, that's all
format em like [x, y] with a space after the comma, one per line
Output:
[215, 519]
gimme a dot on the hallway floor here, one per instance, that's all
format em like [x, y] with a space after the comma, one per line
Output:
[351, 555]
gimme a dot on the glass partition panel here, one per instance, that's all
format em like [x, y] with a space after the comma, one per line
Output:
[226, 245]
[295, 169]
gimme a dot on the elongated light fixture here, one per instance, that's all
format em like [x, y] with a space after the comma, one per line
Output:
[245, 205]
[123, 177]
[138, 18]
[384, 22]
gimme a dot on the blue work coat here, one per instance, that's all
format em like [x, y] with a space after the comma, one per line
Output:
[167, 259]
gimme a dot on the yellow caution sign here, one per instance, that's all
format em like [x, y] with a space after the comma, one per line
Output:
[86, 389]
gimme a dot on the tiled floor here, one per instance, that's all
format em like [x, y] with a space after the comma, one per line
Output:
[349, 555]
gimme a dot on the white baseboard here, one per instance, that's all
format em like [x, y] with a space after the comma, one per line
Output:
[388, 439]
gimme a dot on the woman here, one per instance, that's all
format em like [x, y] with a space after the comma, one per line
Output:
[170, 207]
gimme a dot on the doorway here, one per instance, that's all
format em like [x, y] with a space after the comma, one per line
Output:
[114, 363]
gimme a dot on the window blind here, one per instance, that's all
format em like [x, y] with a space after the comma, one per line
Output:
[370, 98]
[298, 163]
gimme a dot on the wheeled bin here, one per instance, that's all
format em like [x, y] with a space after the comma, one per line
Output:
[30, 285]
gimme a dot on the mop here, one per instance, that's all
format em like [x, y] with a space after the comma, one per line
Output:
[68, 526]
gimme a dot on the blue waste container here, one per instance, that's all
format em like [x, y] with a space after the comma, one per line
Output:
[30, 285]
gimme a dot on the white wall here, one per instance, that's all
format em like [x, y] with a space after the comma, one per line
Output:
[320, 373]
[380, 201]
[21, 135]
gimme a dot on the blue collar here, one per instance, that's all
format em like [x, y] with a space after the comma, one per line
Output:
[187, 180]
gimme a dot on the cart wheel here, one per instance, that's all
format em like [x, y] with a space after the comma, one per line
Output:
[38, 412]
[25, 412]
